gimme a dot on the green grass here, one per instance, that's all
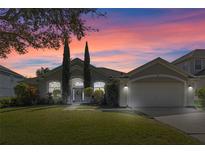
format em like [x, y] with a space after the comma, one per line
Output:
[54, 125]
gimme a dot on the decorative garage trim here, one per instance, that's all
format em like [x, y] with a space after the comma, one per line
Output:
[158, 75]
[161, 62]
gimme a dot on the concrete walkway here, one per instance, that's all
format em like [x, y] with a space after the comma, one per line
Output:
[73, 106]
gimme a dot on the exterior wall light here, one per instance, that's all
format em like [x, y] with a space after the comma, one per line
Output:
[190, 87]
[126, 87]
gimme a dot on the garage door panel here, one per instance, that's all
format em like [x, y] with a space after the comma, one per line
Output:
[156, 94]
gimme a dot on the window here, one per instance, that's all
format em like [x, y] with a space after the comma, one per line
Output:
[99, 85]
[198, 64]
[54, 85]
[78, 84]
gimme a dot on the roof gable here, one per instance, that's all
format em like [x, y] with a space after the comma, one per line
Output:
[157, 63]
[77, 63]
[197, 53]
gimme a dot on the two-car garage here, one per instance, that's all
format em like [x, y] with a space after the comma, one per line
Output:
[156, 94]
[157, 84]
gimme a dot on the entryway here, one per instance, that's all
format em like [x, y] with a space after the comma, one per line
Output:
[77, 91]
[78, 95]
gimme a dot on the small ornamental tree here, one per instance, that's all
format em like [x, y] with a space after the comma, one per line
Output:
[25, 93]
[42, 71]
[88, 92]
[98, 96]
[21, 90]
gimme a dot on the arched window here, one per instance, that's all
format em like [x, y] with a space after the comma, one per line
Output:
[99, 85]
[54, 85]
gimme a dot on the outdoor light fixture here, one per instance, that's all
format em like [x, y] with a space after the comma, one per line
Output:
[126, 87]
[190, 87]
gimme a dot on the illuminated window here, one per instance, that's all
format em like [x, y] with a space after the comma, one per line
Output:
[78, 84]
[99, 85]
[54, 85]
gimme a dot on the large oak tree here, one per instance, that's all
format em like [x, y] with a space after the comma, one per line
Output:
[43, 28]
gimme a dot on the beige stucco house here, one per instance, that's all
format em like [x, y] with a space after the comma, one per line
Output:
[8, 80]
[52, 80]
[158, 83]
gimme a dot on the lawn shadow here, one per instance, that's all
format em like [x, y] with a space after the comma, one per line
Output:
[31, 108]
[126, 111]
[43, 108]
[14, 109]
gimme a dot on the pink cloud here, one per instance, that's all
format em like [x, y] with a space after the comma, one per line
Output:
[141, 42]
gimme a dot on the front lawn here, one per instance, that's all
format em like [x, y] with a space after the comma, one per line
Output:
[54, 125]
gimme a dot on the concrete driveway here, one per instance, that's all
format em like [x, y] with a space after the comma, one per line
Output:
[188, 120]
[191, 123]
[165, 111]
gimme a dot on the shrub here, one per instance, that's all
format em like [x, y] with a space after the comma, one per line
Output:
[4, 102]
[201, 93]
[88, 91]
[56, 93]
[58, 101]
[199, 103]
[112, 93]
[42, 101]
[21, 89]
[25, 94]
[98, 96]
[8, 102]
[201, 98]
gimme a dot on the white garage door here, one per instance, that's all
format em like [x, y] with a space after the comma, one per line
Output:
[156, 94]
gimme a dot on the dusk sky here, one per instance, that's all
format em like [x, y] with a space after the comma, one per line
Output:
[128, 38]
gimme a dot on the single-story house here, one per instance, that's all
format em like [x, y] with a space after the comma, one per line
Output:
[8, 80]
[158, 83]
[52, 80]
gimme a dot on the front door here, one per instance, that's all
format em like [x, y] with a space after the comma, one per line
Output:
[77, 94]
